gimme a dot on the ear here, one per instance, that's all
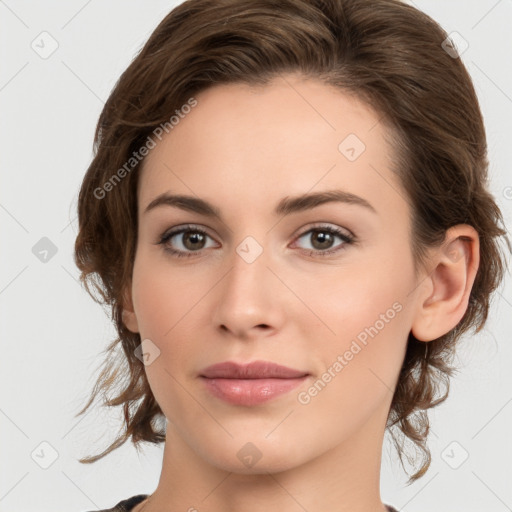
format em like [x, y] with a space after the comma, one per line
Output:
[129, 316]
[444, 296]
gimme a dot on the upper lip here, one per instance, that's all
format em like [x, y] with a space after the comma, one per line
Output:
[253, 370]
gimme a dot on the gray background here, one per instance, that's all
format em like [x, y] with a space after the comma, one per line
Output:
[52, 333]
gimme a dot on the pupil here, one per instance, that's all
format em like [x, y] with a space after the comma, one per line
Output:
[324, 238]
[194, 238]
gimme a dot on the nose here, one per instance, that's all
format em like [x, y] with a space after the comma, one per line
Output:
[249, 298]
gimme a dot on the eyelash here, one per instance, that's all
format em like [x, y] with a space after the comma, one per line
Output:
[347, 239]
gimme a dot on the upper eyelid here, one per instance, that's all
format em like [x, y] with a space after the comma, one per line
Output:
[325, 225]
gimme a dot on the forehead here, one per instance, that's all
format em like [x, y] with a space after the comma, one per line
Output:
[262, 143]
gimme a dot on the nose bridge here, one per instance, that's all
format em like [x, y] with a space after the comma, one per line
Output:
[247, 298]
[249, 267]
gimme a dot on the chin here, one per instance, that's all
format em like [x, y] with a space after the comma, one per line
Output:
[253, 458]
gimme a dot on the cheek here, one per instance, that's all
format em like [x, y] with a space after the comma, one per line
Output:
[167, 304]
[359, 364]
[366, 313]
[161, 295]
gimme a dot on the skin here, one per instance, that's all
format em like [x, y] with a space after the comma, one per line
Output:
[243, 149]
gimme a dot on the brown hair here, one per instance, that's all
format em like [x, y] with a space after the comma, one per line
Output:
[384, 52]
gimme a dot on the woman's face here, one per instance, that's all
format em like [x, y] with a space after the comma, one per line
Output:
[273, 278]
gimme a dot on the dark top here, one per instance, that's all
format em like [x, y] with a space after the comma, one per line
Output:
[126, 505]
[130, 503]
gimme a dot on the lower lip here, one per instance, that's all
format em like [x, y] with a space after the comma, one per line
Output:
[250, 391]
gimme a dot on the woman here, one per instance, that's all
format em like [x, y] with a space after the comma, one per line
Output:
[287, 212]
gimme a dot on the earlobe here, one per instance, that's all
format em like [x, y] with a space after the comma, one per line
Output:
[446, 291]
[129, 316]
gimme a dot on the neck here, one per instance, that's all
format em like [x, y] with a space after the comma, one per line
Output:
[344, 478]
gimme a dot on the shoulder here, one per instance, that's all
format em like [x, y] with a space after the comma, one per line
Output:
[126, 505]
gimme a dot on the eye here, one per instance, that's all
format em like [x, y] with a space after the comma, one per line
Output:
[323, 237]
[190, 238]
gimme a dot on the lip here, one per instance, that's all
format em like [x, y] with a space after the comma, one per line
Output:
[253, 370]
[250, 384]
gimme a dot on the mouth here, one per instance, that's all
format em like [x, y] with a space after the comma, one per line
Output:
[250, 384]
[253, 370]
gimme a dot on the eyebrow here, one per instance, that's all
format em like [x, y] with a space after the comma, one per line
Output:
[286, 206]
